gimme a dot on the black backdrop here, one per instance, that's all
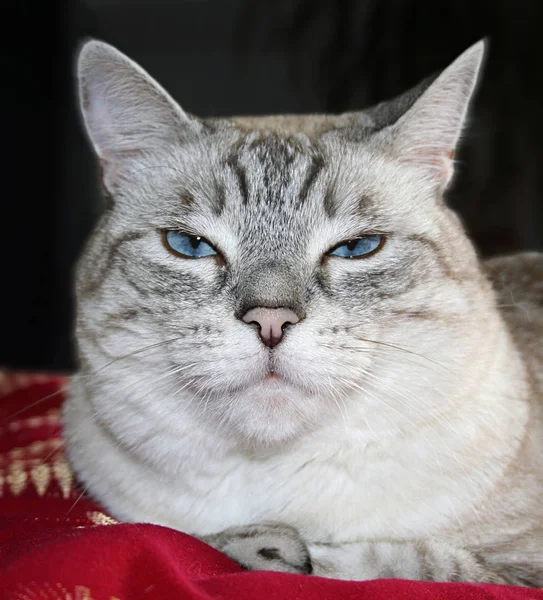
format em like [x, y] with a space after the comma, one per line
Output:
[220, 57]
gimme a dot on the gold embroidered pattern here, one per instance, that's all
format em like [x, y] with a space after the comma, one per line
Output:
[41, 477]
[40, 463]
[48, 591]
[50, 419]
[82, 593]
[31, 451]
[16, 453]
[100, 518]
[16, 477]
[63, 475]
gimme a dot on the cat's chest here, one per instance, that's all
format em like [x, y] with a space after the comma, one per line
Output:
[346, 495]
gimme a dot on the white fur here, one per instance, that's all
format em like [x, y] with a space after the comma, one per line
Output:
[342, 482]
[403, 438]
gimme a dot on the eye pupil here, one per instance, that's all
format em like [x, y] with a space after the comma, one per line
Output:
[195, 241]
[352, 244]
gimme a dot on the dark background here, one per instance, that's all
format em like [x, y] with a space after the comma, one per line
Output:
[220, 57]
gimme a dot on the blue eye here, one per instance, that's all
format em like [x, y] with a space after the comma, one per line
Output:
[188, 246]
[359, 247]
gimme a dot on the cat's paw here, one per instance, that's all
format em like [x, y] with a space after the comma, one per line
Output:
[264, 547]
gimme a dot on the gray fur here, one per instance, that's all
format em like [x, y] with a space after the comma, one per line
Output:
[266, 546]
[402, 432]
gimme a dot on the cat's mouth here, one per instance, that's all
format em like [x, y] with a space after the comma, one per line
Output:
[272, 374]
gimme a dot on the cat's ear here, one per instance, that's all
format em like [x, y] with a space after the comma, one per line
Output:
[427, 134]
[126, 112]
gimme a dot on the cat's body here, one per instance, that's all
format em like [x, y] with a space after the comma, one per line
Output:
[398, 424]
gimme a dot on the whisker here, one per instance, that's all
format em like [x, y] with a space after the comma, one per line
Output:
[36, 403]
[408, 351]
[77, 499]
[66, 387]
[437, 414]
[371, 351]
[343, 411]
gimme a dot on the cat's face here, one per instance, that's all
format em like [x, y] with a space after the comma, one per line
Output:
[328, 271]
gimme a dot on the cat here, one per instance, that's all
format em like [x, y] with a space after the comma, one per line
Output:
[289, 347]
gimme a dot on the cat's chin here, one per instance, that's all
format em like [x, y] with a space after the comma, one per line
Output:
[272, 412]
[274, 391]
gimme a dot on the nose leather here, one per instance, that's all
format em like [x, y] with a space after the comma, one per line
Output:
[271, 322]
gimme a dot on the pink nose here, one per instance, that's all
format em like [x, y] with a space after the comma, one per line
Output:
[271, 322]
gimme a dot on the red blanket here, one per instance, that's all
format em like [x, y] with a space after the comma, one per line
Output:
[55, 542]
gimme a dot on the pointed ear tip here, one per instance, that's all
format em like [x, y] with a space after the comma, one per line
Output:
[478, 51]
[91, 46]
[91, 50]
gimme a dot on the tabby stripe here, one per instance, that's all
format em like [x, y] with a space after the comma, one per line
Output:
[425, 569]
[436, 251]
[329, 203]
[420, 313]
[220, 199]
[144, 292]
[239, 171]
[317, 164]
[98, 281]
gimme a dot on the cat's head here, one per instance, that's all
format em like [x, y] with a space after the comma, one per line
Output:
[271, 275]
